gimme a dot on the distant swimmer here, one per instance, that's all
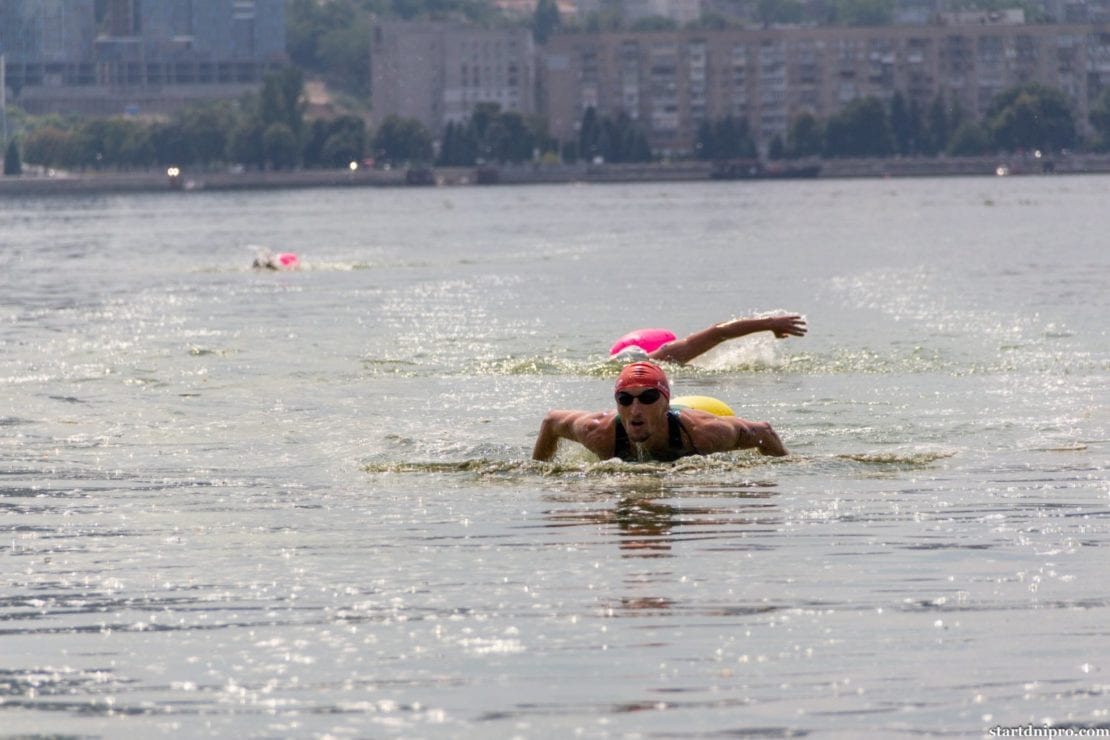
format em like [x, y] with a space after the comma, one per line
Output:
[645, 427]
[280, 261]
[662, 346]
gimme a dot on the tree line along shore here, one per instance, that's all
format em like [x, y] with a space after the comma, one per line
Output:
[185, 181]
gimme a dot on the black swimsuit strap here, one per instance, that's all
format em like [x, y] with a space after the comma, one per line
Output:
[621, 446]
[676, 430]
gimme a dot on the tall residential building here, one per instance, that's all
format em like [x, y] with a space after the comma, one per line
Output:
[438, 72]
[673, 81]
[108, 57]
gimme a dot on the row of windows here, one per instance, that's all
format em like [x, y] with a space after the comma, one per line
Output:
[132, 73]
[884, 51]
[813, 73]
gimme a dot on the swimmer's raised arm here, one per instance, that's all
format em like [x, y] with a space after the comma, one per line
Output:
[685, 349]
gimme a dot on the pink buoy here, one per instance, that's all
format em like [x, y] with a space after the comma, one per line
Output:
[648, 340]
[287, 260]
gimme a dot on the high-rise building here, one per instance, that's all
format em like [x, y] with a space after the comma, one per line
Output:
[47, 43]
[188, 42]
[439, 72]
[107, 57]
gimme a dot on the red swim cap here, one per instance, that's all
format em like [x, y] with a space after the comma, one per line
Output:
[643, 375]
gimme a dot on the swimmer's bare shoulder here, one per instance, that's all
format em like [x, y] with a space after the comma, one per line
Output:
[711, 433]
[591, 429]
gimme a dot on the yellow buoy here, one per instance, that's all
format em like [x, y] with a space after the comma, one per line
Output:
[702, 403]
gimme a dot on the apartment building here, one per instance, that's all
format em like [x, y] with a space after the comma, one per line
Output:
[671, 82]
[83, 56]
[438, 72]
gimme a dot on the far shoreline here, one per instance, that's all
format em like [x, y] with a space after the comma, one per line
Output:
[527, 174]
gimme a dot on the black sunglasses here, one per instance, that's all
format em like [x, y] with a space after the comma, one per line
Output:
[650, 396]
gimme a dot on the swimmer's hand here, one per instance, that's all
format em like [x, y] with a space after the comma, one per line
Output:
[791, 325]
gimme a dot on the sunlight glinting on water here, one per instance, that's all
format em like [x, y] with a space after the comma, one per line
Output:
[255, 503]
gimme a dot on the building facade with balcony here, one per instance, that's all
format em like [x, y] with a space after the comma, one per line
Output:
[671, 82]
[439, 73]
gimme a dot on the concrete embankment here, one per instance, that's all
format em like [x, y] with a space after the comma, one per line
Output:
[69, 183]
[1003, 164]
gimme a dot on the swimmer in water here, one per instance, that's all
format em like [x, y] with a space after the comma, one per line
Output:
[681, 351]
[645, 427]
[267, 260]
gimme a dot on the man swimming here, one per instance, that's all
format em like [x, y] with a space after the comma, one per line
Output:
[683, 350]
[645, 427]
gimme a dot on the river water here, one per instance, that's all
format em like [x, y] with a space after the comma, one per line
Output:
[299, 504]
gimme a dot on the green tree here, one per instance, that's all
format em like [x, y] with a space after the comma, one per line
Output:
[705, 144]
[905, 125]
[1099, 116]
[303, 28]
[545, 21]
[401, 141]
[511, 140]
[734, 139]
[653, 23]
[861, 129]
[490, 135]
[864, 12]
[459, 147]
[589, 136]
[777, 148]
[770, 12]
[282, 101]
[1035, 12]
[336, 142]
[968, 140]
[623, 141]
[608, 18]
[332, 39]
[13, 164]
[481, 125]
[805, 137]
[313, 153]
[47, 146]
[206, 127]
[708, 21]
[1031, 116]
[244, 144]
[279, 146]
[103, 142]
[937, 127]
[569, 152]
[171, 145]
[137, 150]
[343, 55]
[726, 138]
[345, 142]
